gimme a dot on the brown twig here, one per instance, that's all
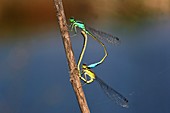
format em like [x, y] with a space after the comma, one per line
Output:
[74, 72]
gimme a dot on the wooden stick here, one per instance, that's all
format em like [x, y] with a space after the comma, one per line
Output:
[74, 72]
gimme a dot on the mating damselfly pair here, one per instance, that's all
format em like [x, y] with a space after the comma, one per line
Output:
[85, 71]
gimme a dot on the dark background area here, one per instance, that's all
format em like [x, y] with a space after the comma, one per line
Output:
[34, 75]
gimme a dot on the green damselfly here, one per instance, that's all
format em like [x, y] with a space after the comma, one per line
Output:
[96, 35]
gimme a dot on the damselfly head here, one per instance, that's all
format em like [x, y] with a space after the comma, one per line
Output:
[72, 19]
[84, 66]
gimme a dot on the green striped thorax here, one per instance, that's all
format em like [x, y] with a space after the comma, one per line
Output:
[76, 23]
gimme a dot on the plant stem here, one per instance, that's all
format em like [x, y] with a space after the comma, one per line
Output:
[74, 72]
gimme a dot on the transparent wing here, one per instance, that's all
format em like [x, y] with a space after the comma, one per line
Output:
[112, 94]
[104, 36]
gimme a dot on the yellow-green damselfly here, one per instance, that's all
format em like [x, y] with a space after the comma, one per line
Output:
[88, 76]
[110, 92]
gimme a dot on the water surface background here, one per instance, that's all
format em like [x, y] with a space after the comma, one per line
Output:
[34, 75]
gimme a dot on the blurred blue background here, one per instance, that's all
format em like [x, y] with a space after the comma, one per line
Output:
[34, 75]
